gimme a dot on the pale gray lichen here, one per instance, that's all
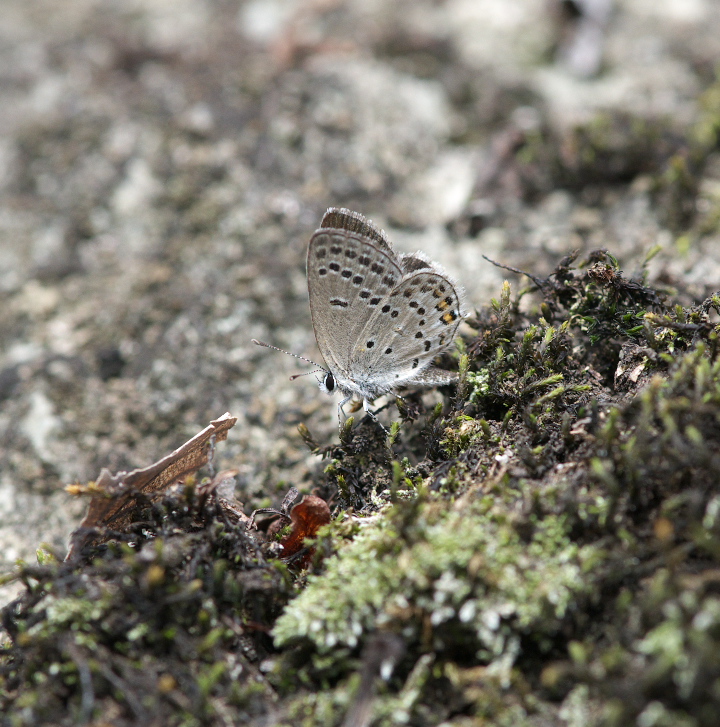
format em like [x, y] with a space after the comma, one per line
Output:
[463, 570]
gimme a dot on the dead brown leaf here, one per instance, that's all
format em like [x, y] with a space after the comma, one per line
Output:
[114, 497]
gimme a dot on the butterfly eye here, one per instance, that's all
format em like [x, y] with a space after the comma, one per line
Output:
[328, 383]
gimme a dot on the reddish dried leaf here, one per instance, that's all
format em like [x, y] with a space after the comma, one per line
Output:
[307, 517]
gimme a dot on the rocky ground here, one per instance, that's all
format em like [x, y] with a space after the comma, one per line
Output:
[543, 547]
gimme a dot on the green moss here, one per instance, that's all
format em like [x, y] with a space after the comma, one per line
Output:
[672, 659]
[665, 445]
[524, 575]
[150, 625]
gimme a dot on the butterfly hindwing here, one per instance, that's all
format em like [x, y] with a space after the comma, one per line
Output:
[414, 323]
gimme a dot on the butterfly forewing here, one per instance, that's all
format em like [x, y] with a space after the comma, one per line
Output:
[339, 218]
[348, 277]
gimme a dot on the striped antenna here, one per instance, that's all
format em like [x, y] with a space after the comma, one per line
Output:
[294, 355]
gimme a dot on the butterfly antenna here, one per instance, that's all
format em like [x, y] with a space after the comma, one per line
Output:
[294, 355]
[307, 373]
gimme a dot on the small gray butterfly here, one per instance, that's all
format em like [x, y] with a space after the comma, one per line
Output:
[380, 317]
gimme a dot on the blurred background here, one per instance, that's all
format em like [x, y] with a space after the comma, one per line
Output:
[163, 164]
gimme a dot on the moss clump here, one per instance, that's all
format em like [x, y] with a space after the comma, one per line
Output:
[669, 673]
[469, 575]
[476, 583]
[161, 628]
[517, 551]
[659, 455]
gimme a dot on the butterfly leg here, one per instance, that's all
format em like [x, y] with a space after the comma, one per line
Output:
[341, 411]
[371, 414]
